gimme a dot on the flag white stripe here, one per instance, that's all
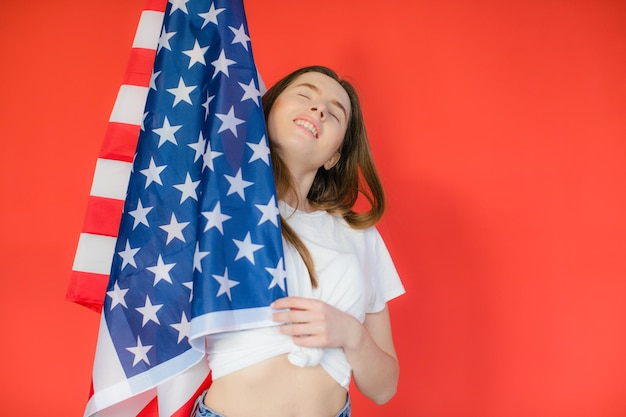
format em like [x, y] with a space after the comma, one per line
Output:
[174, 393]
[148, 30]
[129, 105]
[110, 179]
[94, 254]
[110, 382]
[228, 320]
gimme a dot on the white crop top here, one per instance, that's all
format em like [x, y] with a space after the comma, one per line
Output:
[355, 274]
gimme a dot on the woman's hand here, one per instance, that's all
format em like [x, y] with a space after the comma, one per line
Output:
[314, 323]
[368, 346]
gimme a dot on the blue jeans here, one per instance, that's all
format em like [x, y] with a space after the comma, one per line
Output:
[201, 410]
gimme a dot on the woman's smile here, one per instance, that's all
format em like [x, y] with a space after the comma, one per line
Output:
[309, 125]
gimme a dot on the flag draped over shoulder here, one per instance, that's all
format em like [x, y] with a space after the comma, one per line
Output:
[199, 249]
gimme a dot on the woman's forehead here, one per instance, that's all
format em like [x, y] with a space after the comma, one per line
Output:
[323, 84]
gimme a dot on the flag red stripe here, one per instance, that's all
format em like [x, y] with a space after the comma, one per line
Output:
[186, 409]
[103, 216]
[156, 5]
[87, 289]
[139, 67]
[120, 142]
[151, 410]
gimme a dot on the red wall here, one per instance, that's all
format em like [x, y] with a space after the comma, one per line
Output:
[499, 129]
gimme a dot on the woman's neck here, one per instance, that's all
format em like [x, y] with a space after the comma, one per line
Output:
[300, 203]
[297, 197]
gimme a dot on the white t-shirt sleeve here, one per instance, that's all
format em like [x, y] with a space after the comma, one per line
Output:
[381, 272]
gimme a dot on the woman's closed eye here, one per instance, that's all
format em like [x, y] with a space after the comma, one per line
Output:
[307, 97]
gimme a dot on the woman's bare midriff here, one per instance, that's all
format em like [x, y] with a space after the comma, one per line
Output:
[276, 388]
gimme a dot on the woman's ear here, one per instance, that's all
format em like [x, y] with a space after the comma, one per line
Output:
[332, 161]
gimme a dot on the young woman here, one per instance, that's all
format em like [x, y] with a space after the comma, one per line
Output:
[334, 326]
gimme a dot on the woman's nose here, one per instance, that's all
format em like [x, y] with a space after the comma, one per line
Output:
[321, 108]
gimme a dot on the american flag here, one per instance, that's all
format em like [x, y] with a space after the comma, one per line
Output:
[199, 248]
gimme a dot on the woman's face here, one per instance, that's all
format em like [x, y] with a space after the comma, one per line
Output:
[308, 122]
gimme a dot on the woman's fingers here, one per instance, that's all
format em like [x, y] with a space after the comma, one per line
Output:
[297, 310]
[297, 316]
[311, 322]
[297, 303]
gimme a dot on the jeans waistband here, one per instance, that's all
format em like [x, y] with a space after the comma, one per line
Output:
[201, 410]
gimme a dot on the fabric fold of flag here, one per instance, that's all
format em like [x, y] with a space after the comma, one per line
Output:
[199, 248]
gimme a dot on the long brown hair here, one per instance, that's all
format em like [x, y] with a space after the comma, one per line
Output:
[335, 190]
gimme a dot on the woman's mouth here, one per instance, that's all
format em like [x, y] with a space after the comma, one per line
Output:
[308, 126]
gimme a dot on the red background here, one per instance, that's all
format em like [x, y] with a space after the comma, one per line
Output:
[500, 132]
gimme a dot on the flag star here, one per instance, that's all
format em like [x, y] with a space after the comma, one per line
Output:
[143, 122]
[140, 215]
[179, 5]
[166, 132]
[140, 351]
[279, 275]
[164, 40]
[117, 296]
[240, 36]
[209, 98]
[161, 271]
[188, 189]
[237, 184]
[221, 64]
[269, 212]
[153, 173]
[196, 55]
[189, 285]
[229, 121]
[262, 87]
[215, 218]
[250, 92]
[198, 147]
[225, 284]
[210, 16]
[198, 256]
[174, 229]
[148, 311]
[153, 78]
[183, 327]
[181, 93]
[128, 256]
[260, 151]
[209, 156]
[246, 248]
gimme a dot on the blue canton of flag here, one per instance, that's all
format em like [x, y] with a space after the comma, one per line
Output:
[199, 249]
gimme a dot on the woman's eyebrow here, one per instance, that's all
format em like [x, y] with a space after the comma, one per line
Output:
[336, 103]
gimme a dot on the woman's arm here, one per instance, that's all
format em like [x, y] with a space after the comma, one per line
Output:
[373, 358]
[368, 347]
